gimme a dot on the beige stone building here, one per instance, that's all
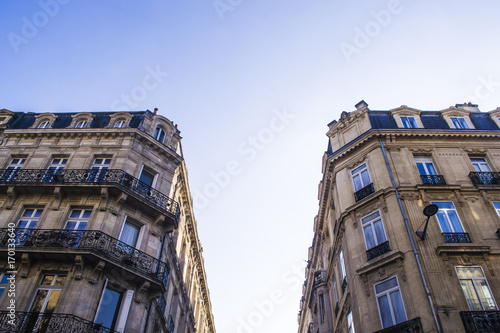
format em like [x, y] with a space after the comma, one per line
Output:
[377, 262]
[97, 226]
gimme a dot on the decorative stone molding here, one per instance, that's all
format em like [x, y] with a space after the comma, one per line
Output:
[25, 265]
[142, 292]
[94, 276]
[382, 269]
[77, 275]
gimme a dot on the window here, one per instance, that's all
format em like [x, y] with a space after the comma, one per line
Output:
[373, 229]
[476, 289]
[448, 217]
[335, 296]
[130, 233]
[44, 124]
[45, 302]
[360, 177]
[146, 181]
[350, 324]
[390, 303]
[78, 219]
[99, 168]
[4, 281]
[120, 124]
[409, 122]
[425, 166]
[29, 219]
[11, 171]
[81, 124]
[480, 165]
[54, 166]
[109, 306]
[342, 270]
[321, 308]
[159, 134]
[459, 122]
[497, 207]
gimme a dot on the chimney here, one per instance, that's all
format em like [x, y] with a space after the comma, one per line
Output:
[156, 111]
[361, 105]
[468, 107]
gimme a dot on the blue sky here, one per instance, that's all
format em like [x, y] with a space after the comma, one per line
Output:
[252, 86]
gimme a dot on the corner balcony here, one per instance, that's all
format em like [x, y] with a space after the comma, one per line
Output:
[485, 178]
[433, 179]
[481, 321]
[364, 192]
[29, 322]
[88, 179]
[59, 243]
[410, 326]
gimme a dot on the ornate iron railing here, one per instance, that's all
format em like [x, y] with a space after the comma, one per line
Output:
[485, 178]
[364, 192]
[31, 322]
[119, 178]
[481, 321]
[433, 179]
[410, 326]
[378, 250]
[162, 304]
[456, 237]
[93, 240]
[171, 325]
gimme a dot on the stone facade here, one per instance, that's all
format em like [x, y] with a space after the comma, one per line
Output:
[97, 212]
[368, 269]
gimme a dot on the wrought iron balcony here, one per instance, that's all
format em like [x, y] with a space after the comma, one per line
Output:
[114, 177]
[481, 321]
[96, 241]
[378, 250]
[364, 192]
[485, 178]
[410, 326]
[456, 237]
[162, 303]
[433, 179]
[30, 322]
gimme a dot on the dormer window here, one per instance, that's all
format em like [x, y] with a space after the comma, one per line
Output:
[409, 122]
[120, 124]
[159, 134]
[81, 124]
[44, 124]
[459, 122]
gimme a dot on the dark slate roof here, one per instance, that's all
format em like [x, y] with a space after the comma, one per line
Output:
[99, 120]
[483, 121]
[382, 119]
[433, 120]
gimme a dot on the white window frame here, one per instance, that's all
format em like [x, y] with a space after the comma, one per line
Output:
[496, 205]
[448, 220]
[119, 124]
[359, 173]
[335, 293]
[50, 289]
[123, 308]
[350, 323]
[409, 120]
[387, 293]
[58, 163]
[371, 224]
[158, 134]
[483, 278]
[81, 124]
[101, 166]
[343, 272]
[79, 220]
[30, 219]
[43, 124]
[460, 122]
[140, 235]
[5, 285]
[425, 161]
[148, 170]
[480, 164]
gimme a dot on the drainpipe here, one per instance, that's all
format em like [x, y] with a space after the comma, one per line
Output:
[429, 298]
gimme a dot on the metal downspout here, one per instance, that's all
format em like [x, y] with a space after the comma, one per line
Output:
[429, 298]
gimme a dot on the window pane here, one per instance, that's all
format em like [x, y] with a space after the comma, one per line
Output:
[358, 169]
[51, 304]
[357, 183]
[1, 291]
[386, 285]
[444, 204]
[430, 168]
[366, 178]
[421, 169]
[470, 295]
[47, 280]
[443, 221]
[146, 178]
[485, 295]
[398, 307]
[108, 309]
[469, 272]
[497, 205]
[86, 214]
[385, 311]
[76, 213]
[370, 217]
[130, 234]
[455, 222]
[5, 279]
[370, 240]
[379, 231]
[39, 300]
[60, 280]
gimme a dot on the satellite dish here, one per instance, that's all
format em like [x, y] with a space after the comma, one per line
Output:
[430, 210]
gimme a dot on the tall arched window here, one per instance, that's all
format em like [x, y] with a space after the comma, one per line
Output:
[159, 134]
